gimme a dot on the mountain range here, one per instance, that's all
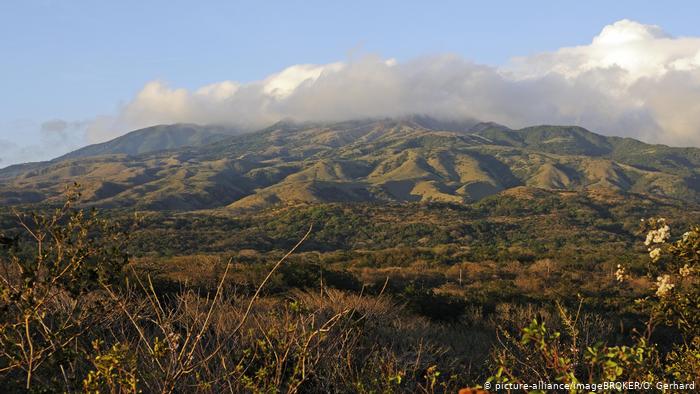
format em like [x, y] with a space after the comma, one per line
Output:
[188, 167]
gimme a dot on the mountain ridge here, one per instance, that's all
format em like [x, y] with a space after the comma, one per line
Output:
[408, 159]
[140, 141]
[152, 139]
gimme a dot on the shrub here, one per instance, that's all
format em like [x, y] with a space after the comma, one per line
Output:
[51, 293]
[71, 320]
[542, 353]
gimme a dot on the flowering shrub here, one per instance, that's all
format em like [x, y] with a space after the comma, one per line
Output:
[674, 301]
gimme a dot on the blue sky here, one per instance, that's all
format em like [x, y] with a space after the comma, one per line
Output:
[75, 60]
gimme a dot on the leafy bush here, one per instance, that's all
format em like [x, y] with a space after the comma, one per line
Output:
[566, 356]
[51, 294]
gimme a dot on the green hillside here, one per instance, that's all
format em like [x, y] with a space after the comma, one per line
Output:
[412, 159]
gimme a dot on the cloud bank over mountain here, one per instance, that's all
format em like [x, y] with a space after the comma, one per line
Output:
[631, 80]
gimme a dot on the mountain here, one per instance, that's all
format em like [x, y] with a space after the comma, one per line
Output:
[151, 139]
[409, 159]
[146, 140]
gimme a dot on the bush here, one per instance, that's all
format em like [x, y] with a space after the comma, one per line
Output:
[564, 356]
[51, 293]
[71, 320]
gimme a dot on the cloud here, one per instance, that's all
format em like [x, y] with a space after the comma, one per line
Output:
[642, 51]
[35, 142]
[631, 80]
[54, 126]
[640, 69]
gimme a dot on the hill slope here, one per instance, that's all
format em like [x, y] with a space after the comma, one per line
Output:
[151, 139]
[412, 159]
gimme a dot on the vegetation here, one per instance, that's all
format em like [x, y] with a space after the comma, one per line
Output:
[186, 167]
[85, 307]
[153, 139]
[365, 256]
[75, 318]
[584, 362]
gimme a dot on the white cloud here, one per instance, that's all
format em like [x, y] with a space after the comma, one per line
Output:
[631, 80]
[642, 51]
[282, 84]
[643, 68]
[219, 91]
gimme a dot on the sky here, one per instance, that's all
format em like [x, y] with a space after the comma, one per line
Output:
[79, 72]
